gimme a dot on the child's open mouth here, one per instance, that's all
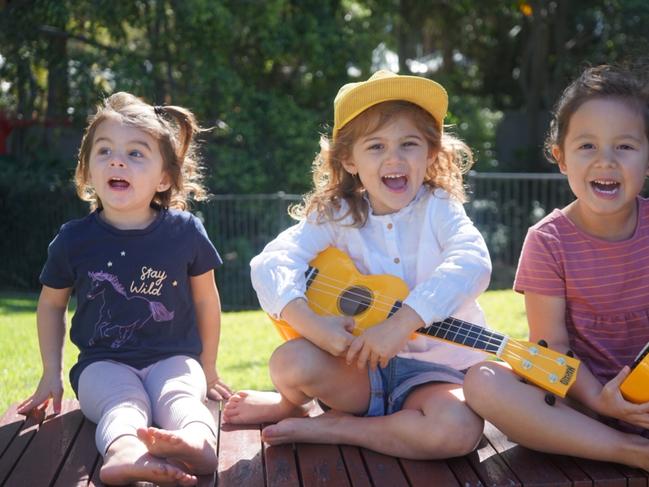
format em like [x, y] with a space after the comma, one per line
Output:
[605, 187]
[396, 182]
[118, 183]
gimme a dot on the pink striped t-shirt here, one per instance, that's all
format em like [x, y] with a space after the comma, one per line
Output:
[605, 284]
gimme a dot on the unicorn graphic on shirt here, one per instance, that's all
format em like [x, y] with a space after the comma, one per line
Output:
[113, 295]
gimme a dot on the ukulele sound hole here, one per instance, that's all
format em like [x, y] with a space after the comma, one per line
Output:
[354, 300]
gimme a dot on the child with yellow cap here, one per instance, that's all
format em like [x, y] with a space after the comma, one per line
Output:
[388, 192]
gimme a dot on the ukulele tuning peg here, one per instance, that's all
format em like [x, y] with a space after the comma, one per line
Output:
[570, 353]
[550, 399]
[543, 343]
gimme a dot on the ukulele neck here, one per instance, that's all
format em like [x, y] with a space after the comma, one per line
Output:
[467, 334]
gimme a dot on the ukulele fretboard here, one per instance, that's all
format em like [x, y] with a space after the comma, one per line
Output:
[464, 333]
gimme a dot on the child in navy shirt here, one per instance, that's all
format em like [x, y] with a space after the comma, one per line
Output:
[147, 322]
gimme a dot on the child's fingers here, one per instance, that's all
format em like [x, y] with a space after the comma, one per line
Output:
[363, 357]
[353, 349]
[56, 403]
[374, 359]
[384, 362]
[217, 392]
[28, 404]
[349, 324]
[35, 408]
[621, 375]
[24, 406]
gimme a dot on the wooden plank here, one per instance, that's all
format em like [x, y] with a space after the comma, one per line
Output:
[281, 466]
[355, 466]
[214, 407]
[490, 467]
[50, 446]
[422, 473]
[10, 424]
[532, 468]
[464, 472]
[571, 470]
[18, 445]
[79, 466]
[603, 474]
[635, 477]
[384, 471]
[240, 457]
[95, 481]
[321, 465]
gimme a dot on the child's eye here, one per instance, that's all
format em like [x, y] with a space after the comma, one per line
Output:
[410, 143]
[135, 153]
[102, 151]
[625, 147]
[376, 146]
[587, 146]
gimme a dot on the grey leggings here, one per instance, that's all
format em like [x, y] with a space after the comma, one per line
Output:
[121, 399]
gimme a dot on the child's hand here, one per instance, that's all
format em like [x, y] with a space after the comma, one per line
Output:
[613, 403]
[333, 334]
[378, 344]
[216, 388]
[49, 387]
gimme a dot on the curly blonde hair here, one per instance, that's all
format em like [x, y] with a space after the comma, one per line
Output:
[175, 129]
[332, 183]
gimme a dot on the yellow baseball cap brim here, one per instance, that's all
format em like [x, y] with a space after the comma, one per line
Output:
[354, 98]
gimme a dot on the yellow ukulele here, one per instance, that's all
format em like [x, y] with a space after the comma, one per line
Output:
[635, 387]
[335, 287]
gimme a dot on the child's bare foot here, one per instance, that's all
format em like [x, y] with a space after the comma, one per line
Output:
[318, 429]
[194, 446]
[253, 407]
[127, 460]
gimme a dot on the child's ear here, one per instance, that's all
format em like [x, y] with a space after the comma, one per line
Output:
[349, 166]
[164, 184]
[558, 156]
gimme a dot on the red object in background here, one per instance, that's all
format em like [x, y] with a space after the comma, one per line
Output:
[7, 125]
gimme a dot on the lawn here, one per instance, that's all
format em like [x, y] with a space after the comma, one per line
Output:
[247, 340]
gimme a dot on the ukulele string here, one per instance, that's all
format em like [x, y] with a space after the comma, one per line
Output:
[386, 307]
[490, 341]
[512, 354]
[338, 285]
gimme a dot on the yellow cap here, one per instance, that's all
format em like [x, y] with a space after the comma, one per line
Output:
[354, 98]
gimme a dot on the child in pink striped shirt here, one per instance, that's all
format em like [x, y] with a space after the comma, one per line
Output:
[584, 271]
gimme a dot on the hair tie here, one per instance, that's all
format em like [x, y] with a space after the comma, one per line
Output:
[159, 110]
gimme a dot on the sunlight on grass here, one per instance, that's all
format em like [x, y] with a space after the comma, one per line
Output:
[247, 340]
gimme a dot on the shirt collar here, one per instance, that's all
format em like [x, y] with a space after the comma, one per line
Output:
[402, 212]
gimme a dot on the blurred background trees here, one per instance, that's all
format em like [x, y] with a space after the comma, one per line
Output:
[264, 73]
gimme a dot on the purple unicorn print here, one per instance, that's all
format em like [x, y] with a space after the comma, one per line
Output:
[113, 295]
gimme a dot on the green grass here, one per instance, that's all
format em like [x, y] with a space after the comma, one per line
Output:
[247, 340]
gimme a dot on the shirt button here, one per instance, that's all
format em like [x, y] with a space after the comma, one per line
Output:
[396, 260]
[389, 226]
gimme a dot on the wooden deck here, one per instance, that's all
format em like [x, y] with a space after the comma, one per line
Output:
[60, 451]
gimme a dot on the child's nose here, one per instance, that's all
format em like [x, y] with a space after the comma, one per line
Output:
[117, 161]
[394, 155]
[607, 156]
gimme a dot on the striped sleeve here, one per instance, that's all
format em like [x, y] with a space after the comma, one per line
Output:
[539, 268]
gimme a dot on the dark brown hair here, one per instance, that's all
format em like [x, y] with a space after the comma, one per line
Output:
[173, 127]
[602, 81]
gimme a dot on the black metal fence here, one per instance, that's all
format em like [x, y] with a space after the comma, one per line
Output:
[502, 205]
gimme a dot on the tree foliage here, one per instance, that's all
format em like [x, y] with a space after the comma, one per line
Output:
[263, 74]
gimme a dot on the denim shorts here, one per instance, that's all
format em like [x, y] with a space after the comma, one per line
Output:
[390, 386]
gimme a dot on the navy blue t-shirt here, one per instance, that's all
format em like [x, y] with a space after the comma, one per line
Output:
[134, 302]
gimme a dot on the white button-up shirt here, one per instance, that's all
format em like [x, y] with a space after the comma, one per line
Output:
[430, 244]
